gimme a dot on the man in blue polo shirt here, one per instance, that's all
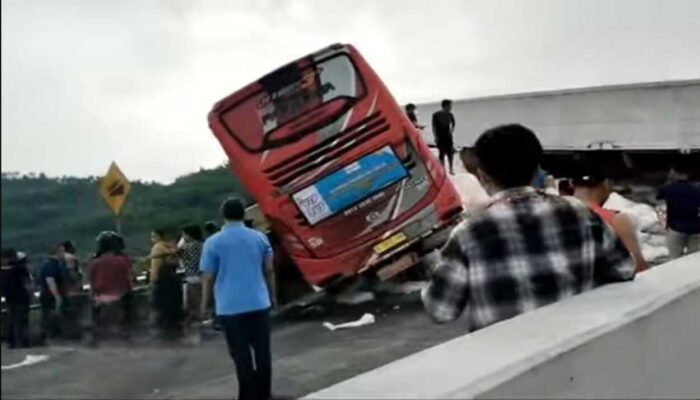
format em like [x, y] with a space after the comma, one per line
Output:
[238, 260]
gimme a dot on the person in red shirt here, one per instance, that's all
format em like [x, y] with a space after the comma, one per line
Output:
[594, 190]
[111, 278]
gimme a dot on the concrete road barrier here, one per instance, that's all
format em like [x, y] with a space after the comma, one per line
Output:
[636, 339]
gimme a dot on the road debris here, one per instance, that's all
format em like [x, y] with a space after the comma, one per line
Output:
[29, 359]
[650, 228]
[366, 319]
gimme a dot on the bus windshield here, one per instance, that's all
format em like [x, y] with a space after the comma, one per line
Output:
[289, 102]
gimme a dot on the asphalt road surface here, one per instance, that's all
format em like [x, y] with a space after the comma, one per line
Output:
[306, 357]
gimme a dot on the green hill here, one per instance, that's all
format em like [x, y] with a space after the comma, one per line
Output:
[38, 211]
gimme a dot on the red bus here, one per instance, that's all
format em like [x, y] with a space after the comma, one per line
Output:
[338, 170]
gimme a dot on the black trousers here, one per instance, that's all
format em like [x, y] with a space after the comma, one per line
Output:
[53, 322]
[17, 325]
[446, 149]
[248, 339]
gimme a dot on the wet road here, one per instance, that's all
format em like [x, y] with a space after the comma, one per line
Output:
[306, 356]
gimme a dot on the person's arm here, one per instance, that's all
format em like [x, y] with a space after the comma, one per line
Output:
[207, 284]
[209, 266]
[129, 273]
[453, 123]
[446, 295]
[624, 227]
[28, 280]
[435, 128]
[93, 279]
[613, 262]
[53, 288]
[269, 268]
[270, 277]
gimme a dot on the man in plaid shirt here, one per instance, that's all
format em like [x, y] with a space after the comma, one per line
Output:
[525, 249]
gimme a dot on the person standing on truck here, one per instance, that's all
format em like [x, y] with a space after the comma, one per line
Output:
[411, 114]
[241, 259]
[443, 129]
[682, 199]
[527, 248]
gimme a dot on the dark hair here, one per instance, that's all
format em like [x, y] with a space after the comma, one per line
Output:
[566, 187]
[9, 254]
[446, 103]
[193, 231]
[588, 173]
[233, 209]
[109, 242]
[160, 232]
[509, 154]
[410, 106]
[210, 227]
[469, 159]
[68, 246]
[588, 181]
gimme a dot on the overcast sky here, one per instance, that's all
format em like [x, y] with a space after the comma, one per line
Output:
[85, 82]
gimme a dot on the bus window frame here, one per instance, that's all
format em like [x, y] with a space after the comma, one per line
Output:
[272, 144]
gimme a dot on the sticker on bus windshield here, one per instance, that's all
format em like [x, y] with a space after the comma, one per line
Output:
[350, 185]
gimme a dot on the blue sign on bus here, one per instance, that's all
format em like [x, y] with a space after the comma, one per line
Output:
[350, 185]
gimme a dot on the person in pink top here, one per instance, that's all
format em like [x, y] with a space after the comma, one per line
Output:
[594, 189]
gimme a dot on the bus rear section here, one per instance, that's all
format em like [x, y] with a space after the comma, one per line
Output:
[342, 176]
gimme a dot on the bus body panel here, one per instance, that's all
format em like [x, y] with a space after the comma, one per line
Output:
[325, 118]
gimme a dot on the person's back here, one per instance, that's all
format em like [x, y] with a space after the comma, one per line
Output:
[240, 281]
[526, 249]
[110, 276]
[52, 268]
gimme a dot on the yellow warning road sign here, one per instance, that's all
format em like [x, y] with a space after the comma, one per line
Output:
[114, 187]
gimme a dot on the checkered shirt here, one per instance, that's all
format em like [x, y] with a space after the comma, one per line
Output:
[525, 250]
[189, 254]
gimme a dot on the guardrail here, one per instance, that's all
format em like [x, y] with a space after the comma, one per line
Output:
[636, 339]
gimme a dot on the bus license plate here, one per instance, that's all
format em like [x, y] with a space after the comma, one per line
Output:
[389, 243]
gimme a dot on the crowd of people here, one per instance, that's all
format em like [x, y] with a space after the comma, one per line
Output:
[110, 280]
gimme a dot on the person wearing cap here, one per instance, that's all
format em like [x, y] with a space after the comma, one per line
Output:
[594, 190]
[16, 288]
